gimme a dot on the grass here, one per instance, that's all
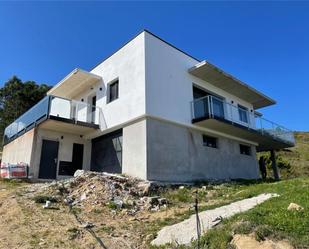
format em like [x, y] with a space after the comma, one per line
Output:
[12, 183]
[268, 220]
[295, 160]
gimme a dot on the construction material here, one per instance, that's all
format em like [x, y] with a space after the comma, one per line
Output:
[14, 171]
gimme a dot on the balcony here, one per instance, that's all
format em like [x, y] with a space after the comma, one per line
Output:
[59, 114]
[215, 113]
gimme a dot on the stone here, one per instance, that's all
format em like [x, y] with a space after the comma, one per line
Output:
[144, 188]
[79, 172]
[118, 202]
[249, 241]
[83, 197]
[294, 206]
[181, 187]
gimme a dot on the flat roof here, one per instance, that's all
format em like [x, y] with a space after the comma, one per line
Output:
[217, 77]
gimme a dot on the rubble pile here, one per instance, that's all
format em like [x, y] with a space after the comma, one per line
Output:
[92, 190]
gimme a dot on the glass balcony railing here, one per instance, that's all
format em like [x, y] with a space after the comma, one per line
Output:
[51, 106]
[214, 107]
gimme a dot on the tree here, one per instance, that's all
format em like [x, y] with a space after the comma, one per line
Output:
[16, 97]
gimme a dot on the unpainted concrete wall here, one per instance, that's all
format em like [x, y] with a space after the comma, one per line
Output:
[20, 149]
[176, 153]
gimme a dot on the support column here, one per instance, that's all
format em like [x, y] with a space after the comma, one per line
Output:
[274, 165]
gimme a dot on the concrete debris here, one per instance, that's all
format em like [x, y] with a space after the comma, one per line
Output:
[47, 205]
[79, 172]
[294, 206]
[83, 197]
[91, 190]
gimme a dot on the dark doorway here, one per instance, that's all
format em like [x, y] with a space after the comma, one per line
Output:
[49, 159]
[77, 157]
[106, 153]
[68, 168]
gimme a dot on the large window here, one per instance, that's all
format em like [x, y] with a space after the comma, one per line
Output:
[245, 149]
[210, 141]
[113, 91]
[243, 113]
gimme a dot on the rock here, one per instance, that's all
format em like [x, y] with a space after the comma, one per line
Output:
[249, 241]
[181, 187]
[294, 206]
[79, 172]
[83, 197]
[118, 202]
[144, 188]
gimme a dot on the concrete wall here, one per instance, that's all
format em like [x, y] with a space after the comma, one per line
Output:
[176, 153]
[19, 150]
[169, 85]
[65, 148]
[134, 150]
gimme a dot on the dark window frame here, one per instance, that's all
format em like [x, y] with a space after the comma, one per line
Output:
[245, 149]
[110, 86]
[209, 141]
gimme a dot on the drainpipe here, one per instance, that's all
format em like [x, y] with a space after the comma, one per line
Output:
[274, 165]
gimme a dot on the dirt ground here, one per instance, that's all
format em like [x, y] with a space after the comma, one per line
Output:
[25, 224]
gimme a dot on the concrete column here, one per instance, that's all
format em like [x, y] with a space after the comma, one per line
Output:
[274, 165]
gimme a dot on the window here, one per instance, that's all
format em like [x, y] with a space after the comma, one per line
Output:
[210, 141]
[245, 150]
[113, 91]
[243, 113]
[117, 142]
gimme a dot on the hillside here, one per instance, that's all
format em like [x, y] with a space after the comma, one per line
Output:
[297, 157]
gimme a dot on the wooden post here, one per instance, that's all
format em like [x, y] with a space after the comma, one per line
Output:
[274, 165]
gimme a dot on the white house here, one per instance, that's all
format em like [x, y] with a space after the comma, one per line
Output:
[149, 110]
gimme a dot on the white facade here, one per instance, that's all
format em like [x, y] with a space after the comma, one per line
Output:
[152, 117]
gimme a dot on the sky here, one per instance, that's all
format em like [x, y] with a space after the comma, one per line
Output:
[265, 44]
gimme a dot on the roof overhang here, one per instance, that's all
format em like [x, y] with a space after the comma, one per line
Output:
[74, 83]
[212, 74]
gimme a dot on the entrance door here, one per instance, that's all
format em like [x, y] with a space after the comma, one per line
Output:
[77, 157]
[49, 159]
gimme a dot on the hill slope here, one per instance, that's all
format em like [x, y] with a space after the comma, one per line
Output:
[297, 157]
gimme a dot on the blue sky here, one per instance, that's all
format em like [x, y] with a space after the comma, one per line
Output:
[265, 44]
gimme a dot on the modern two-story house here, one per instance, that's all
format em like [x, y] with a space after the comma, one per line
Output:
[149, 110]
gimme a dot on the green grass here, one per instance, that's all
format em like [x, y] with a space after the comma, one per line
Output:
[268, 220]
[293, 162]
